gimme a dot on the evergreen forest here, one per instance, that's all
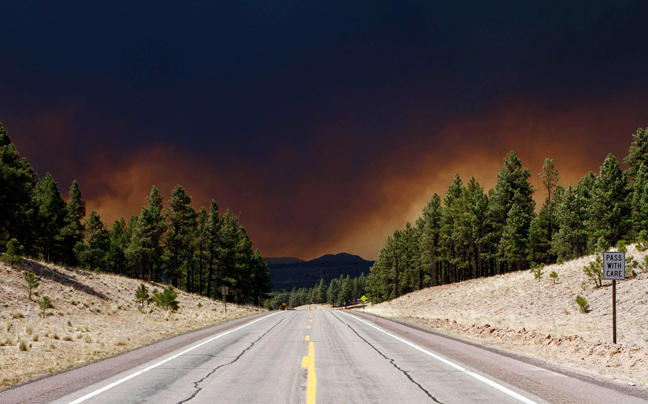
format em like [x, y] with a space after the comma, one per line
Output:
[472, 233]
[195, 250]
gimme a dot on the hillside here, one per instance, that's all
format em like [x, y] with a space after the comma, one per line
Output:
[93, 316]
[288, 273]
[518, 313]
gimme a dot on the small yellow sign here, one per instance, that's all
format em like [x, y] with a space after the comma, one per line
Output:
[363, 298]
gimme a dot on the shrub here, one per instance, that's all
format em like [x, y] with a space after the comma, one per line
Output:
[621, 246]
[166, 299]
[35, 337]
[23, 346]
[141, 295]
[554, 276]
[536, 270]
[14, 252]
[642, 241]
[29, 329]
[8, 325]
[32, 283]
[594, 271]
[45, 304]
[582, 303]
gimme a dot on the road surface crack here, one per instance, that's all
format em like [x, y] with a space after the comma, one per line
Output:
[392, 361]
[197, 383]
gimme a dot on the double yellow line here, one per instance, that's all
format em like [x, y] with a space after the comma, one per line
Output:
[309, 362]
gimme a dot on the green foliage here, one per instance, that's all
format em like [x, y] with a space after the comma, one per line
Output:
[49, 218]
[142, 295]
[642, 241]
[609, 207]
[31, 283]
[17, 180]
[537, 271]
[166, 299]
[45, 304]
[14, 252]
[594, 271]
[554, 277]
[93, 253]
[621, 246]
[638, 152]
[73, 231]
[582, 304]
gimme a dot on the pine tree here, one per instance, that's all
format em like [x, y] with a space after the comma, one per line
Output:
[550, 177]
[571, 239]
[119, 242]
[638, 153]
[145, 250]
[17, 180]
[260, 283]
[50, 217]
[181, 217]
[609, 208]
[72, 232]
[14, 252]
[639, 200]
[513, 189]
[93, 253]
[214, 249]
[429, 241]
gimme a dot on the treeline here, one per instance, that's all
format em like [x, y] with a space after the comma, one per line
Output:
[197, 251]
[472, 233]
[339, 292]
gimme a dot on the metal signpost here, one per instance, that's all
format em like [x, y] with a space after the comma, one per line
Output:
[614, 270]
[224, 292]
[364, 299]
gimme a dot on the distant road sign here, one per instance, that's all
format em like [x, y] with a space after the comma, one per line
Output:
[224, 290]
[614, 266]
[363, 298]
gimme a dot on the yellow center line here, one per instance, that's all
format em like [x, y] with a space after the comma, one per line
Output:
[305, 362]
[307, 338]
[308, 327]
[312, 380]
[310, 321]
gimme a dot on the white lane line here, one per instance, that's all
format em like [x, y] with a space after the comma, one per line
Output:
[447, 362]
[120, 381]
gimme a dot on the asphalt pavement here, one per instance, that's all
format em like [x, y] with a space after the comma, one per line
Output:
[323, 356]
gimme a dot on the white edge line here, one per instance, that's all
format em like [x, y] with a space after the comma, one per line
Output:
[120, 381]
[447, 362]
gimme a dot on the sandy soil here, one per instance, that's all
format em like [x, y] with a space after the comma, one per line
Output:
[94, 316]
[539, 318]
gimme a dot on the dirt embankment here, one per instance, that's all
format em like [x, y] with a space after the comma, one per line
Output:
[93, 316]
[541, 318]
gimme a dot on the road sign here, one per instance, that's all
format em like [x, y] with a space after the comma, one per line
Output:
[614, 266]
[363, 298]
[224, 290]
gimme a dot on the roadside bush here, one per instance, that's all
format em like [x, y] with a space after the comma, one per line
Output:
[536, 270]
[14, 252]
[594, 271]
[582, 303]
[32, 283]
[166, 299]
[23, 345]
[142, 295]
[45, 304]
[554, 277]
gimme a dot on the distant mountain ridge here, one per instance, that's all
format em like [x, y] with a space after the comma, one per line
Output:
[287, 273]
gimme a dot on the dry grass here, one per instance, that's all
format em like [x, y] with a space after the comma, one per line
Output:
[93, 316]
[536, 317]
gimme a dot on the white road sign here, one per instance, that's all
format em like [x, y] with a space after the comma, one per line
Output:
[614, 266]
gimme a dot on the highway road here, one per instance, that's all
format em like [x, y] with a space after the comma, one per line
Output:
[326, 356]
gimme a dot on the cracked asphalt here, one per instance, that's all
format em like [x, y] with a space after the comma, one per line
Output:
[357, 358]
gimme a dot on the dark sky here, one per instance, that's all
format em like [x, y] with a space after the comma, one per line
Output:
[324, 125]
